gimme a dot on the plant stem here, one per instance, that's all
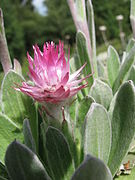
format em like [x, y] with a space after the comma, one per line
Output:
[132, 20]
[4, 53]
[132, 16]
[78, 12]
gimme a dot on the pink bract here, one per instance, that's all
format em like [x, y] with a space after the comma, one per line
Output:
[50, 74]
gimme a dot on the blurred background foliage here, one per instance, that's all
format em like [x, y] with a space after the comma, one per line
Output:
[25, 26]
[105, 14]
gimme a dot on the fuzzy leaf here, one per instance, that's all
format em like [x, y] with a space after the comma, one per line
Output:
[124, 69]
[69, 137]
[43, 149]
[16, 105]
[97, 132]
[59, 155]
[82, 50]
[8, 132]
[74, 64]
[92, 169]
[73, 109]
[132, 74]
[101, 69]
[23, 164]
[91, 25]
[130, 45]
[101, 92]
[111, 107]
[123, 125]
[82, 110]
[28, 138]
[113, 64]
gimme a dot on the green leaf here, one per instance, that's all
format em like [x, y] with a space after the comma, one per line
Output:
[43, 149]
[8, 132]
[91, 25]
[111, 107]
[92, 169]
[130, 45]
[101, 69]
[97, 132]
[67, 132]
[73, 109]
[82, 50]
[18, 106]
[22, 163]
[101, 92]
[132, 74]
[124, 69]
[82, 110]
[74, 64]
[123, 125]
[59, 155]
[113, 64]
[28, 138]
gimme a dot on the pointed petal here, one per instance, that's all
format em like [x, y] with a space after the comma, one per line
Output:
[76, 74]
[30, 60]
[74, 91]
[76, 82]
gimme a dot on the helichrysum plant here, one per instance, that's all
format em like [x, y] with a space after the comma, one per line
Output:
[62, 124]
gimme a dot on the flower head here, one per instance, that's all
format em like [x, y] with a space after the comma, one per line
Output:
[50, 74]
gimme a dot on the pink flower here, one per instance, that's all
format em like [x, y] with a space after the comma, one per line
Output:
[50, 74]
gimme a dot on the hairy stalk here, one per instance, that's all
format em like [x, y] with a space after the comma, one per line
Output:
[132, 20]
[4, 53]
[132, 16]
[91, 26]
[80, 21]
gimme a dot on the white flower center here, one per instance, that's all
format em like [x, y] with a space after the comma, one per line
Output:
[59, 74]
